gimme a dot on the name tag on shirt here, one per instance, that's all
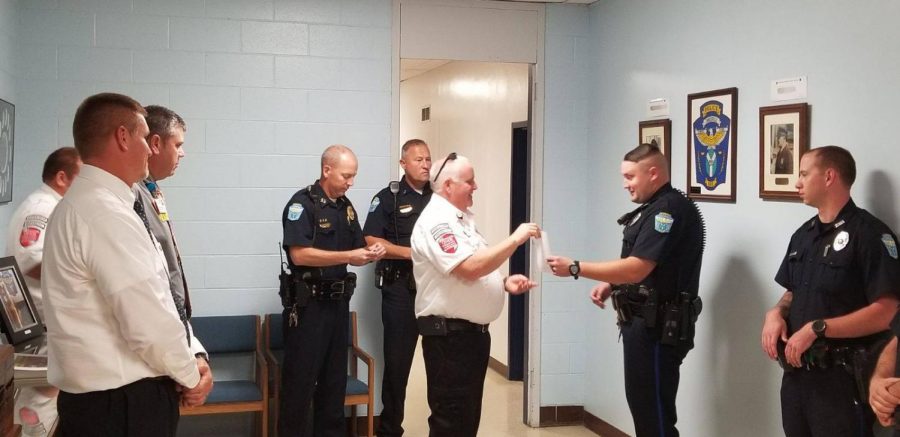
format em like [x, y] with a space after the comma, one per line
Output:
[160, 204]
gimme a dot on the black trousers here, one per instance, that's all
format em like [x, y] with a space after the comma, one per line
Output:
[652, 371]
[455, 366]
[823, 403]
[314, 371]
[144, 408]
[400, 337]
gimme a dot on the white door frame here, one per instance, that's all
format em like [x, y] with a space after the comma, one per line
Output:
[536, 118]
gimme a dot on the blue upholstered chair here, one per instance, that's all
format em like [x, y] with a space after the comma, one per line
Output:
[358, 392]
[234, 336]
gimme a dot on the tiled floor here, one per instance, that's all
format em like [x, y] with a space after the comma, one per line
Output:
[501, 414]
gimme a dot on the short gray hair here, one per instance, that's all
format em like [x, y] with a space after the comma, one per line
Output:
[451, 171]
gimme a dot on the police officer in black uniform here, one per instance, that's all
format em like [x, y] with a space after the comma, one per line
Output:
[392, 214]
[655, 288]
[321, 236]
[842, 276]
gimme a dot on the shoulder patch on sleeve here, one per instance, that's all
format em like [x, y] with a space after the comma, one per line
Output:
[663, 222]
[375, 202]
[443, 235]
[890, 245]
[29, 236]
[294, 212]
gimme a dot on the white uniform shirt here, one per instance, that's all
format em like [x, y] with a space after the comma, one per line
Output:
[442, 238]
[25, 237]
[110, 316]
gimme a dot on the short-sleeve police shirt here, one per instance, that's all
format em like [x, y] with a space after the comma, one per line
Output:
[311, 219]
[836, 268]
[668, 231]
[384, 213]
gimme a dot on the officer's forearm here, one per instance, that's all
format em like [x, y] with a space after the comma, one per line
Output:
[630, 270]
[867, 320]
[486, 260]
[392, 251]
[886, 361]
[783, 307]
[312, 257]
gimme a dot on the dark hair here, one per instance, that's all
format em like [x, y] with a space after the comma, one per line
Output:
[412, 143]
[62, 159]
[162, 121]
[642, 152]
[99, 116]
[838, 158]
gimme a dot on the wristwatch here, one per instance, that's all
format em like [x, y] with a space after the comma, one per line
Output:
[819, 326]
[575, 269]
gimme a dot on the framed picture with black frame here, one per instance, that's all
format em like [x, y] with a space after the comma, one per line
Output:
[783, 139]
[20, 318]
[657, 132]
[712, 145]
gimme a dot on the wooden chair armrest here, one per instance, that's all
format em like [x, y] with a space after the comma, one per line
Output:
[262, 374]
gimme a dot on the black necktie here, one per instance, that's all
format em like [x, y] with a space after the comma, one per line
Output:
[179, 302]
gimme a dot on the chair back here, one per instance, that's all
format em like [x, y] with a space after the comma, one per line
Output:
[227, 334]
[276, 331]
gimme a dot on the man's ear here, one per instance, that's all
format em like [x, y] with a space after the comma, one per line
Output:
[122, 134]
[830, 177]
[154, 142]
[61, 179]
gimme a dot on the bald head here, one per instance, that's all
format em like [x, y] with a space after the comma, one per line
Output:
[333, 154]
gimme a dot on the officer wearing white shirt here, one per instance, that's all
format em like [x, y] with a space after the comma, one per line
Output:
[117, 348]
[36, 406]
[460, 291]
[28, 225]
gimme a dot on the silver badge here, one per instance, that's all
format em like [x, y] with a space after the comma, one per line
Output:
[840, 242]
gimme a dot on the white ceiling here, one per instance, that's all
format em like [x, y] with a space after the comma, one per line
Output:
[413, 67]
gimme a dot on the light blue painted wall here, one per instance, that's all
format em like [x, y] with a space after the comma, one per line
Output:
[566, 174]
[8, 73]
[644, 50]
[264, 86]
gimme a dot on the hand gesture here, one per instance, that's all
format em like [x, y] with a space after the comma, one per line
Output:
[600, 293]
[365, 255]
[193, 397]
[883, 399]
[526, 231]
[798, 344]
[774, 328]
[518, 284]
[559, 265]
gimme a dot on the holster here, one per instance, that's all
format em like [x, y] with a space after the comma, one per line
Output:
[293, 289]
[632, 300]
[388, 272]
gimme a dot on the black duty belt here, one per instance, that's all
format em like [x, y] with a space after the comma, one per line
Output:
[327, 289]
[437, 325]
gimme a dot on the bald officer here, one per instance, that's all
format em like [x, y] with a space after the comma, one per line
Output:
[460, 291]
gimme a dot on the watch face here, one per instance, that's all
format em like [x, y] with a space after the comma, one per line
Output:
[574, 269]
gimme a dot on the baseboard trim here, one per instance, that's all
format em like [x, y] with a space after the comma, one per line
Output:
[601, 427]
[562, 415]
[498, 367]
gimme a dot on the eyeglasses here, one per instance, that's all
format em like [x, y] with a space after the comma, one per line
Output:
[450, 157]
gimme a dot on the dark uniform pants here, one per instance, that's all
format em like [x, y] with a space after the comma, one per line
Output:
[144, 408]
[820, 403]
[315, 371]
[455, 365]
[400, 336]
[652, 371]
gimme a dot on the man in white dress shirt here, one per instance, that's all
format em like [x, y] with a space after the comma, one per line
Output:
[460, 291]
[36, 406]
[117, 348]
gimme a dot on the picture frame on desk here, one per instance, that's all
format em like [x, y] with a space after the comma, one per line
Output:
[20, 319]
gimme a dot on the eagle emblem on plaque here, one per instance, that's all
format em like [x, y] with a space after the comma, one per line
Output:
[712, 130]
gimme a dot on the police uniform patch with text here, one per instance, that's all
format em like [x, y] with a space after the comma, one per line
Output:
[294, 212]
[375, 202]
[663, 223]
[890, 245]
[31, 229]
[445, 238]
[406, 209]
[324, 223]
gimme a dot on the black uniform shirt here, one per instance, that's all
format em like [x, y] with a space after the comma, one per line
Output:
[667, 230]
[836, 268]
[311, 219]
[383, 212]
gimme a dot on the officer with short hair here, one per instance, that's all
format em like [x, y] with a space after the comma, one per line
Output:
[840, 273]
[321, 236]
[656, 288]
[392, 214]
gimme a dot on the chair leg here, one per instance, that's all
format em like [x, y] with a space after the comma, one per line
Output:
[370, 413]
[353, 426]
[264, 419]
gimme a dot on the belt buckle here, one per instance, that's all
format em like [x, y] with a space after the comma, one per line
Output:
[337, 290]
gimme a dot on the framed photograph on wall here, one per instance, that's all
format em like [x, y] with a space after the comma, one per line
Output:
[7, 135]
[659, 132]
[783, 138]
[20, 318]
[712, 145]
